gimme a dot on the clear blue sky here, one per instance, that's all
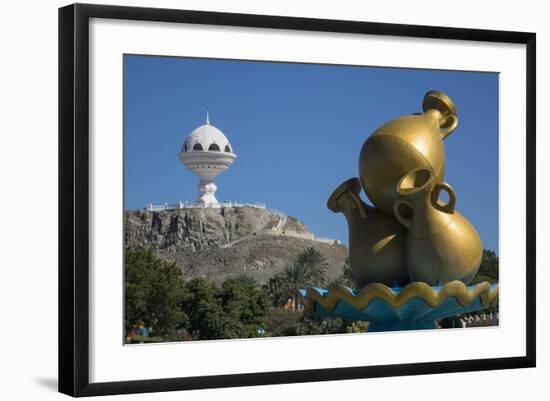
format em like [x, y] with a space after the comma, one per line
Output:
[297, 130]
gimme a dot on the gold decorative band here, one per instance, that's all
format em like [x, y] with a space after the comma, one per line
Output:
[456, 289]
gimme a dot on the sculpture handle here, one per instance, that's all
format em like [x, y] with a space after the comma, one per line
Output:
[437, 100]
[451, 205]
[406, 221]
[448, 125]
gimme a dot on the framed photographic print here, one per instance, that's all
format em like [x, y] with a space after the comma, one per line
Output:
[250, 199]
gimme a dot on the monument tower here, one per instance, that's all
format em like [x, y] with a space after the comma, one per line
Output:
[207, 153]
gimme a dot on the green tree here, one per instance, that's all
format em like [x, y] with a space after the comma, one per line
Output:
[277, 290]
[202, 305]
[315, 262]
[153, 292]
[244, 307]
[235, 310]
[247, 278]
[307, 270]
[488, 270]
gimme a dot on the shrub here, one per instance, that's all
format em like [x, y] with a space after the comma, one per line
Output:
[153, 292]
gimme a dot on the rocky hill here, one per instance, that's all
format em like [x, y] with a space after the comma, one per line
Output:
[220, 243]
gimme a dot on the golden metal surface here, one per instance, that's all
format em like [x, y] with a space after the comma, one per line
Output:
[433, 298]
[404, 144]
[377, 241]
[401, 168]
[442, 245]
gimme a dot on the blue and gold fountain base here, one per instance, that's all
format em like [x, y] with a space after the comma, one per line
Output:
[413, 307]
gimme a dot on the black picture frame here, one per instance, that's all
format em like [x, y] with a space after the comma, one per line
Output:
[74, 201]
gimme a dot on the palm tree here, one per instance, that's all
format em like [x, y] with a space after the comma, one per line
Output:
[307, 270]
[315, 263]
[277, 290]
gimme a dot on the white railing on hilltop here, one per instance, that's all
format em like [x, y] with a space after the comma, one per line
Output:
[186, 205]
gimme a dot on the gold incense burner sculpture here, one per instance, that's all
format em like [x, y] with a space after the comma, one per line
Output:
[409, 234]
[377, 241]
[403, 144]
[442, 245]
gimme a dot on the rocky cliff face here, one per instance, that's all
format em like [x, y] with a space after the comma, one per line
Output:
[219, 243]
[197, 229]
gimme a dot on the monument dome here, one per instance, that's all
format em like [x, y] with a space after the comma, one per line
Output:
[207, 137]
[207, 153]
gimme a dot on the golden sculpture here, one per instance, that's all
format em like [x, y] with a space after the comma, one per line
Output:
[377, 241]
[442, 245]
[404, 144]
[401, 169]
